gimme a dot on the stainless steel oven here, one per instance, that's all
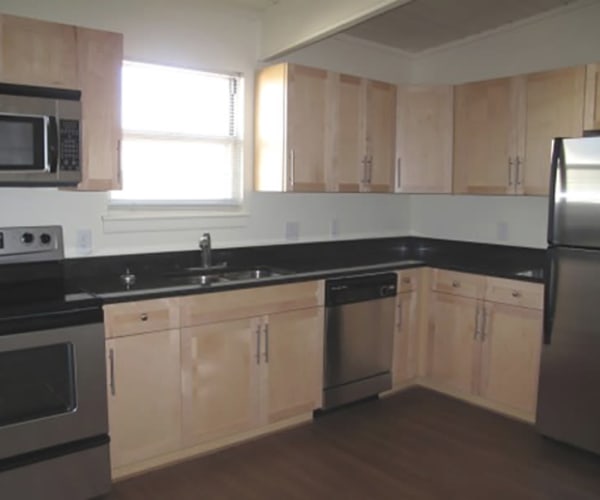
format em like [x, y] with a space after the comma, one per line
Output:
[53, 405]
[40, 139]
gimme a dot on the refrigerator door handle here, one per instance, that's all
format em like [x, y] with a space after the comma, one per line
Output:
[549, 297]
[556, 180]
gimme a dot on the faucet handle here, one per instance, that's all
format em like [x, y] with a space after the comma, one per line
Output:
[205, 240]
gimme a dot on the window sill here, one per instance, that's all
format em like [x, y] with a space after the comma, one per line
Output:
[119, 220]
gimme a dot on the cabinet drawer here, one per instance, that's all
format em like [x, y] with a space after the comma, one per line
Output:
[407, 280]
[513, 292]
[455, 283]
[129, 318]
[237, 304]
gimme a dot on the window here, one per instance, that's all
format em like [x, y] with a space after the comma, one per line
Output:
[181, 140]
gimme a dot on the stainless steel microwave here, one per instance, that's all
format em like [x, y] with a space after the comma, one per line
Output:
[40, 136]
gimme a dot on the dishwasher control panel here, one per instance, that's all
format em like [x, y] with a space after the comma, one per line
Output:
[358, 288]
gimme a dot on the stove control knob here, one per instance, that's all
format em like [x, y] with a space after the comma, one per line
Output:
[27, 238]
[45, 238]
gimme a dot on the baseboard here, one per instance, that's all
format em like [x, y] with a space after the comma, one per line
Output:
[212, 446]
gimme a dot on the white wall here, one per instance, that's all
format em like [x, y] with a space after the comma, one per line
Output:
[199, 34]
[551, 41]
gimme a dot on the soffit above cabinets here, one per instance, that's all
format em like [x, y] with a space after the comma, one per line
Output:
[425, 24]
[253, 4]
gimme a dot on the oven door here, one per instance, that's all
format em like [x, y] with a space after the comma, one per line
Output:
[52, 388]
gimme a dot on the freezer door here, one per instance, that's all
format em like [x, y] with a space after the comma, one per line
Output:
[569, 387]
[574, 212]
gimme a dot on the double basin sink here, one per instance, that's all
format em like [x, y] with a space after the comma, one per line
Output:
[222, 274]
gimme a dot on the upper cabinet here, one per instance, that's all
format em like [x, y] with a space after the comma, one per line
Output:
[47, 54]
[38, 52]
[485, 149]
[380, 136]
[424, 137]
[554, 108]
[592, 97]
[317, 131]
[99, 58]
[504, 130]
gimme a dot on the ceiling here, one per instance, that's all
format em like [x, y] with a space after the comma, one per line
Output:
[253, 4]
[425, 24]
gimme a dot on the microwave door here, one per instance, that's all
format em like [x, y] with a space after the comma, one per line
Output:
[23, 143]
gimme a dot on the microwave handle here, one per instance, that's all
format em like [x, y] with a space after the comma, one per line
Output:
[52, 144]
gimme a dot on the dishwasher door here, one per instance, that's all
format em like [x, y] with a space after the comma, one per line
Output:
[358, 350]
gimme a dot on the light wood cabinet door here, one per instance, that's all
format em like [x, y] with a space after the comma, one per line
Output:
[453, 352]
[308, 109]
[348, 167]
[34, 52]
[100, 57]
[293, 360]
[381, 136]
[406, 348]
[424, 138]
[484, 139]
[144, 396]
[220, 368]
[511, 347]
[555, 101]
[591, 118]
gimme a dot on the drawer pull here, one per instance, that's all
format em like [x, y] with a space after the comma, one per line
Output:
[406, 281]
[516, 293]
[455, 284]
[144, 317]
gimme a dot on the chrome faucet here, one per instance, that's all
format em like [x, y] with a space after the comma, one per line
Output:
[205, 247]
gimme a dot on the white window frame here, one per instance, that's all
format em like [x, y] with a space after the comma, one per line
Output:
[139, 209]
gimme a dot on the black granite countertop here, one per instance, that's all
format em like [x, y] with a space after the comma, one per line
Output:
[163, 274]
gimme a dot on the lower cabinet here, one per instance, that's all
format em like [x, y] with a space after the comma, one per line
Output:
[453, 348]
[144, 396]
[488, 348]
[406, 334]
[242, 374]
[227, 366]
[510, 358]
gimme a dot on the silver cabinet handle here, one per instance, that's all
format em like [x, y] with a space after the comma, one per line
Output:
[258, 333]
[455, 284]
[400, 317]
[516, 293]
[510, 168]
[483, 323]
[144, 317]
[518, 164]
[399, 173]
[292, 169]
[476, 334]
[266, 328]
[370, 165]
[365, 162]
[111, 361]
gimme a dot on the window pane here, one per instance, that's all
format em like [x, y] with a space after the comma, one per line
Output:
[174, 100]
[171, 169]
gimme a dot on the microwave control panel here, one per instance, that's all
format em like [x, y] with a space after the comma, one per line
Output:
[69, 145]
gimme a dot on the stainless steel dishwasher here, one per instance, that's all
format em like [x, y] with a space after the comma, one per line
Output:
[359, 333]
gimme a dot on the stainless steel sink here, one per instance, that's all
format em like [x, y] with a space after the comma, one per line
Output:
[209, 276]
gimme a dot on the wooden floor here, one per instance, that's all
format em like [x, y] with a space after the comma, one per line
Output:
[414, 445]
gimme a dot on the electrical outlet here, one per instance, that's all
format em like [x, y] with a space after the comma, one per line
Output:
[84, 241]
[502, 231]
[292, 230]
[334, 228]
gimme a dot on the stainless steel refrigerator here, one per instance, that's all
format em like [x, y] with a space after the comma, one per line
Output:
[569, 388]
